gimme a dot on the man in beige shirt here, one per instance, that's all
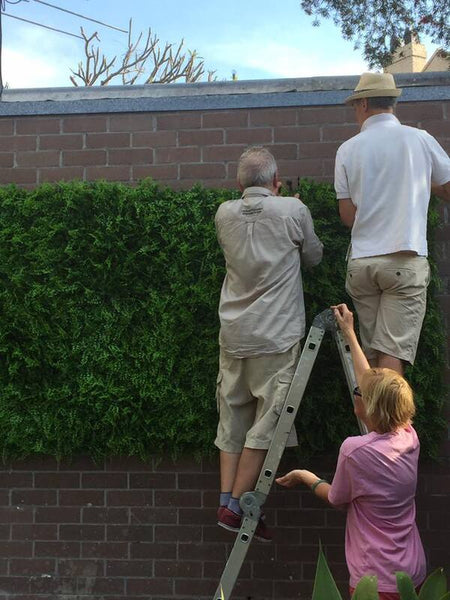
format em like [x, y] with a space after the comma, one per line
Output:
[265, 239]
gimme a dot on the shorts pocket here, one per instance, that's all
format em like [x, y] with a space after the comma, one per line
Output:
[218, 386]
[283, 384]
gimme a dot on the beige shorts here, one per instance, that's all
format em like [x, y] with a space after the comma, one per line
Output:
[250, 396]
[390, 294]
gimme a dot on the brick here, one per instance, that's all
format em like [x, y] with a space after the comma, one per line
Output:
[152, 550]
[301, 518]
[5, 531]
[175, 155]
[11, 586]
[439, 129]
[225, 119]
[6, 126]
[198, 481]
[16, 549]
[137, 587]
[25, 531]
[338, 133]
[14, 479]
[61, 142]
[129, 498]
[80, 463]
[60, 174]
[37, 159]
[298, 135]
[201, 551]
[82, 532]
[319, 116]
[291, 169]
[318, 150]
[18, 142]
[179, 533]
[82, 123]
[83, 157]
[131, 122]
[188, 516]
[57, 514]
[161, 481]
[33, 497]
[153, 515]
[273, 116]
[130, 533]
[157, 172]
[130, 568]
[16, 514]
[105, 515]
[181, 465]
[195, 587]
[202, 171]
[153, 139]
[130, 156]
[30, 125]
[204, 137]
[101, 585]
[108, 140]
[419, 111]
[32, 566]
[285, 151]
[81, 498]
[57, 479]
[104, 480]
[81, 567]
[104, 550]
[127, 464]
[18, 176]
[6, 159]
[222, 153]
[57, 549]
[117, 173]
[178, 498]
[262, 135]
[177, 121]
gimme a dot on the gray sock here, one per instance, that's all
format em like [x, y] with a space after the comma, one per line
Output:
[233, 505]
[224, 498]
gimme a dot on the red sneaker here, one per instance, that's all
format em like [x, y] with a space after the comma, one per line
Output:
[262, 532]
[229, 519]
[220, 511]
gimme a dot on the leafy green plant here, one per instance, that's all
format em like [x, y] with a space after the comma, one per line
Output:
[325, 588]
[109, 327]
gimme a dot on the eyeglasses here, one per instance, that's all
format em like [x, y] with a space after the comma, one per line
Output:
[357, 392]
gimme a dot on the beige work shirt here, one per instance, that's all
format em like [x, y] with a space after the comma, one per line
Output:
[265, 239]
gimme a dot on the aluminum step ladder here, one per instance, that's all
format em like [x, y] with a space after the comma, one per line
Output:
[251, 502]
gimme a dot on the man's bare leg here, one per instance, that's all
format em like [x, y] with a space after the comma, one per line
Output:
[228, 468]
[248, 470]
[390, 362]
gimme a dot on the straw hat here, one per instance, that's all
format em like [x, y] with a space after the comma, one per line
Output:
[374, 85]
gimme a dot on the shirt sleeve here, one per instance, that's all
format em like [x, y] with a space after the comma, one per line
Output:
[311, 248]
[440, 162]
[342, 487]
[340, 178]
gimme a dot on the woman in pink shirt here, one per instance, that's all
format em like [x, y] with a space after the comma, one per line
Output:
[376, 477]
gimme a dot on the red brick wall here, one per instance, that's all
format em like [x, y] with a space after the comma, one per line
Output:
[126, 529]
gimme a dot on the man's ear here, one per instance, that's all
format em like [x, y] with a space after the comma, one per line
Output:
[365, 104]
[241, 187]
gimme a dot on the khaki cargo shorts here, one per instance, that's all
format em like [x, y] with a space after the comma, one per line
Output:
[390, 294]
[250, 396]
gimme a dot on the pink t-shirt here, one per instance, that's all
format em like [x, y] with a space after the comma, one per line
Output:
[376, 477]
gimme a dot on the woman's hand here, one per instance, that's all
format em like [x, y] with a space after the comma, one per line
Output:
[344, 318]
[296, 477]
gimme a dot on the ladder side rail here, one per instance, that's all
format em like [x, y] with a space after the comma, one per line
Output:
[347, 363]
[251, 502]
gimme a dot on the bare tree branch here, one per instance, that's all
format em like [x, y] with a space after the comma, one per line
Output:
[147, 61]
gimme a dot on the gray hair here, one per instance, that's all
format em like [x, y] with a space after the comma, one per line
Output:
[257, 167]
[381, 102]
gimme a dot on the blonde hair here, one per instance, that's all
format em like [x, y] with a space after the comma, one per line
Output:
[388, 399]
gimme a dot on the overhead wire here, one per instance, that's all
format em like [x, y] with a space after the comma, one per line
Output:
[42, 25]
[81, 16]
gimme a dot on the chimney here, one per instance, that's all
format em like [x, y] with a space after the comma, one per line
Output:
[410, 57]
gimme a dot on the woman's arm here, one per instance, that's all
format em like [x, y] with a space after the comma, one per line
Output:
[319, 487]
[344, 318]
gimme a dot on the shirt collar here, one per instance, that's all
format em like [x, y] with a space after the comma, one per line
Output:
[256, 191]
[380, 119]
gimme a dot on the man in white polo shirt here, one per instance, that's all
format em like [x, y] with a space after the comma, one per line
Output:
[383, 179]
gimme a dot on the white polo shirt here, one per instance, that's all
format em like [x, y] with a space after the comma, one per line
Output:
[265, 239]
[387, 170]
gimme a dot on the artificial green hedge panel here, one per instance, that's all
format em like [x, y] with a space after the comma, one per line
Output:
[108, 323]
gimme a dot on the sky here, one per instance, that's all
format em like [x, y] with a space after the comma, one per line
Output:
[258, 39]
